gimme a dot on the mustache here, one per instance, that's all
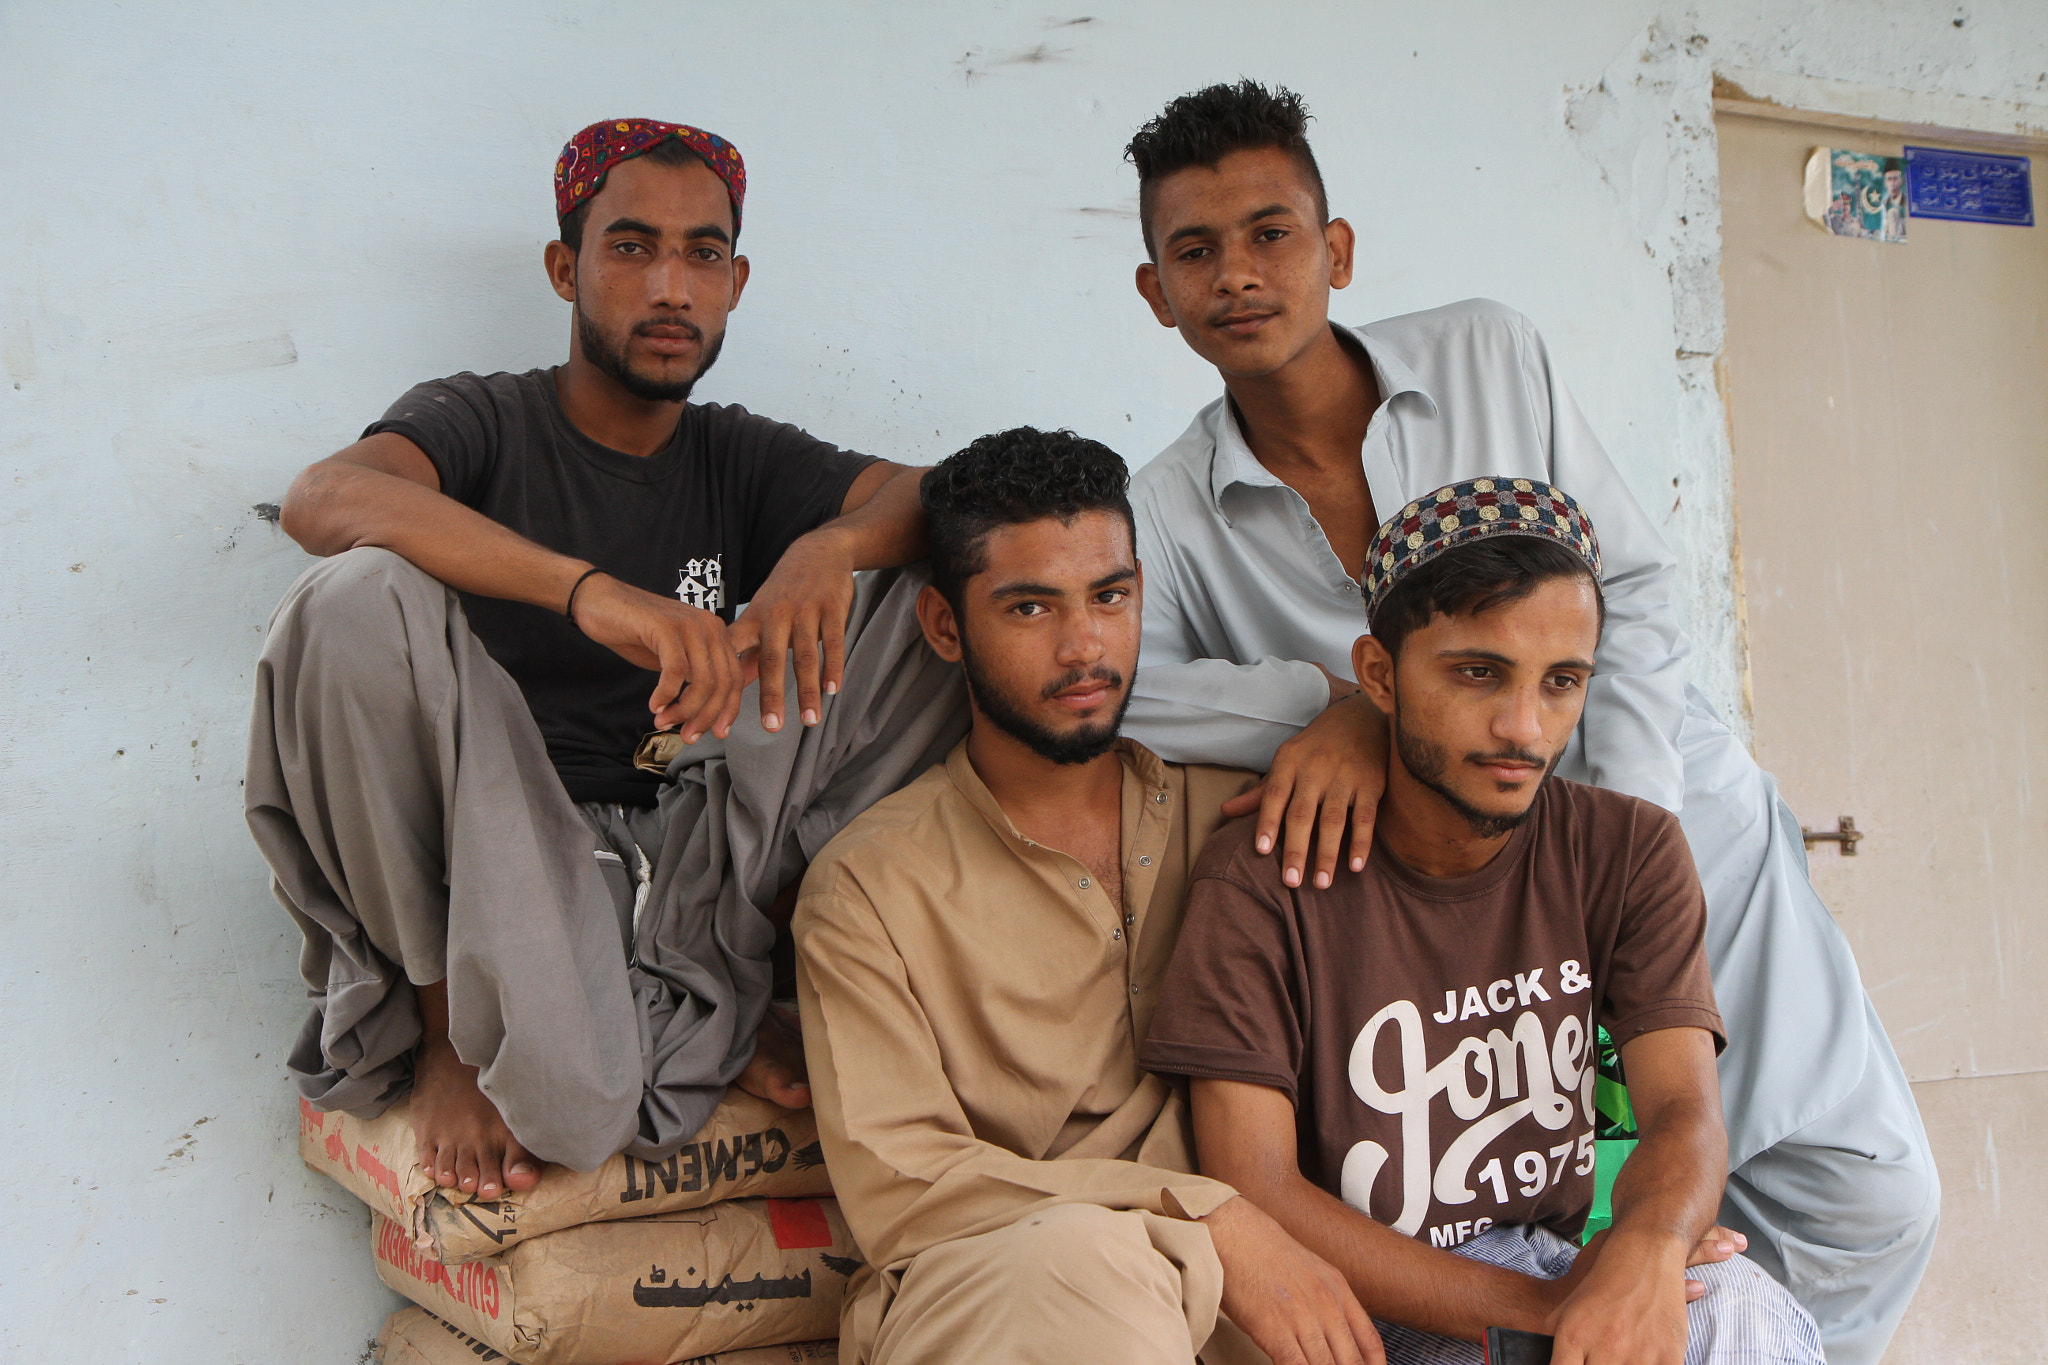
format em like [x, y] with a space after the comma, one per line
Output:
[1509, 756]
[681, 324]
[1099, 673]
[1236, 314]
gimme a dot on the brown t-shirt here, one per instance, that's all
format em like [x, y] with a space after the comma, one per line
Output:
[1436, 1035]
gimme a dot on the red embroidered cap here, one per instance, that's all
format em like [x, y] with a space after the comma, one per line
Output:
[590, 155]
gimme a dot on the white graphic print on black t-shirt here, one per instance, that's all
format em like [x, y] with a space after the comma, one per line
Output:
[703, 521]
[703, 584]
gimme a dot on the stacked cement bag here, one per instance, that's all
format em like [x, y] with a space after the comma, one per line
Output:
[725, 1247]
[413, 1336]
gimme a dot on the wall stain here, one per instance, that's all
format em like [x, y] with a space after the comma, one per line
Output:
[977, 62]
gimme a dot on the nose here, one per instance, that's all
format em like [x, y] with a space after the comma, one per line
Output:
[1236, 271]
[1519, 721]
[668, 285]
[1080, 642]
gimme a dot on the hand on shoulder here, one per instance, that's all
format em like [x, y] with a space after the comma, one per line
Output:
[1325, 782]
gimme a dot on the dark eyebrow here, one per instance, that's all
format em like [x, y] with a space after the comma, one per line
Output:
[1488, 656]
[1010, 590]
[1025, 590]
[704, 232]
[1203, 229]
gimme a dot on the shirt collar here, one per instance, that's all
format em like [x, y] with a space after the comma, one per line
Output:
[1233, 462]
[1139, 763]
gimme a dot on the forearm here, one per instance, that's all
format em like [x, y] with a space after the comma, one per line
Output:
[1214, 711]
[1667, 1194]
[335, 507]
[1397, 1278]
[884, 530]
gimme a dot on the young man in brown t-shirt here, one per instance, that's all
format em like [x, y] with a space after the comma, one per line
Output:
[1400, 1068]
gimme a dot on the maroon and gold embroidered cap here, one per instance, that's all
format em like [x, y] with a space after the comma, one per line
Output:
[1464, 512]
[590, 155]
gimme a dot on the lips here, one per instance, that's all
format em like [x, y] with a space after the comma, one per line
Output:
[1242, 324]
[670, 338]
[1084, 692]
[1085, 698]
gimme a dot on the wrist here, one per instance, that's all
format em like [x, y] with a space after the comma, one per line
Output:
[584, 581]
[1649, 1246]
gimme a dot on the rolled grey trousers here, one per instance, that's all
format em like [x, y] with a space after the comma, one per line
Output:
[418, 833]
[606, 968]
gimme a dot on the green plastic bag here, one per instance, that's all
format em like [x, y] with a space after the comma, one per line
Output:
[1614, 1135]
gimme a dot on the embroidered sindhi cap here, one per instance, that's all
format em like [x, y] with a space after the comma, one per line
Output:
[1464, 512]
[590, 155]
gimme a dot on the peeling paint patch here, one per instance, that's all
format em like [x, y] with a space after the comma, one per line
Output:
[267, 511]
[1646, 125]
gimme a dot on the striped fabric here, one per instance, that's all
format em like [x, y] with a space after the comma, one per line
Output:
[1746, 1317]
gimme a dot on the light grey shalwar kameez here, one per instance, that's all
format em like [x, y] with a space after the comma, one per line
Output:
[1833, 1181]
[607, 967]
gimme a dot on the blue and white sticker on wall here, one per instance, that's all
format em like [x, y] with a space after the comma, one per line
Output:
[1871, 195]
[1969, 187]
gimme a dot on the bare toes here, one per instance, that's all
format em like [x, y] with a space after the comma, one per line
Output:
[522, 1170]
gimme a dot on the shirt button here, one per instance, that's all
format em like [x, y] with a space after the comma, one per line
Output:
[1159, 798]
[1116, 933]
[1130, 919]
[1134, 988]
[1084, 883]
[1144, 860]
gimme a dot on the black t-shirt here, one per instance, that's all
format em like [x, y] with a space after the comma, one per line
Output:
[705, 519]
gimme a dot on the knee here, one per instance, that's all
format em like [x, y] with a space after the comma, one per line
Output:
[1751, 1315]
[355, 578]
[1071, 1244]
[1855, 1201]
[345, 605]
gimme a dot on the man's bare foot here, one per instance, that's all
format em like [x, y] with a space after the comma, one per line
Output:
[777, 1073]
[463, 1142]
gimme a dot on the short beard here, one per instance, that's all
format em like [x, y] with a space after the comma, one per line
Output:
[611, 360]
[1079, 746]
[1427, 763]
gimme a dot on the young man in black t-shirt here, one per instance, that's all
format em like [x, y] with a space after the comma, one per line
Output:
[523, 574]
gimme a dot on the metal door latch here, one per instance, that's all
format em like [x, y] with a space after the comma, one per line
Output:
[1845, 833]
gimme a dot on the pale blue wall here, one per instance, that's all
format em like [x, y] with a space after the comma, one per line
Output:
[233, 234]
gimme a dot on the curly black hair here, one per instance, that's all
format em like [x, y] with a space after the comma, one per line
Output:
[1203, 128]
[1468, 579]
[1009, 478]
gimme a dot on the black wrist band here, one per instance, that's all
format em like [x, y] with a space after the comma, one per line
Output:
[570, 610]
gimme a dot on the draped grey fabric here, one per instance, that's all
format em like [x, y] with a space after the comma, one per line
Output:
[417, 832]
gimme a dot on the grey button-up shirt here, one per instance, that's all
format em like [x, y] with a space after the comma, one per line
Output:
[1244, 596]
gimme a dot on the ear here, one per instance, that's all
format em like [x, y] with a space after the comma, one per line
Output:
[561, 267]
[1374, 668]
[740, 271]
[1343, 245]
[941, 629]
[1154, 294]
